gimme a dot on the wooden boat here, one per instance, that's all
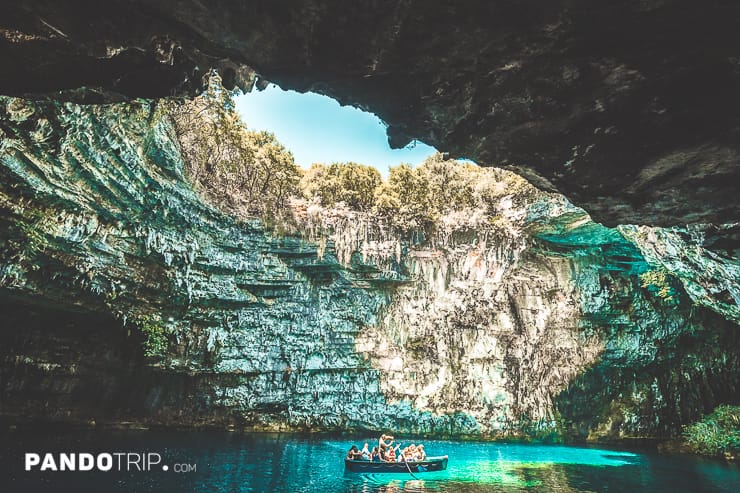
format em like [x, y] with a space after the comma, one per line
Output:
[428, 465]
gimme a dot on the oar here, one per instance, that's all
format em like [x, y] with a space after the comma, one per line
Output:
[409, 468]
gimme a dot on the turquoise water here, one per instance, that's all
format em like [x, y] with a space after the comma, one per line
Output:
[228, 462]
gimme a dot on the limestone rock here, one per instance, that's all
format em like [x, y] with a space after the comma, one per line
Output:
[534, 324]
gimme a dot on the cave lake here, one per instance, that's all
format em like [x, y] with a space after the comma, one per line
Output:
[232, 462]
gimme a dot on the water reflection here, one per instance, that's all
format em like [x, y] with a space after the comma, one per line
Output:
[279, 463]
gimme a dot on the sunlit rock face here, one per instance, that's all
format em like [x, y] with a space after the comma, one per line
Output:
[528, 322]
[497, 337]
[628, 108]
[532, 321]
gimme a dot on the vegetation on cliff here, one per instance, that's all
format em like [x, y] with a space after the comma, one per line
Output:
[250, 174]
[658, 281]
[155, 337]
[351, 183]
[412, 198]
[717, 434]
[246, 172]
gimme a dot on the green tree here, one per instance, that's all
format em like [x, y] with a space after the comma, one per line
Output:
[406, 199]
[272, 176]
[242, 171]
[351, 183]
[450, 183]
[313, 181]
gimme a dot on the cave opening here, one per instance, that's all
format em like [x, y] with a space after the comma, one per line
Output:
[273, 154]
[318, 129]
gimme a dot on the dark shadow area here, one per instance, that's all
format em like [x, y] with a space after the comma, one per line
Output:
[695, 369]
[64, 365]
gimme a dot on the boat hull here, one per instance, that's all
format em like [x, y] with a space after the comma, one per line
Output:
[429, 465]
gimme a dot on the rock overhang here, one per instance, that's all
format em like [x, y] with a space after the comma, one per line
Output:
[628, 108]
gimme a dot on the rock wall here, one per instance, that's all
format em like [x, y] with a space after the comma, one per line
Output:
[534, 323]
[98, 219]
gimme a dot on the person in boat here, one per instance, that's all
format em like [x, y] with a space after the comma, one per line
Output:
[384, 444]
[354, 453]
[390, 454]
[365, 453]
[421, 453]
[375, 455]
[409, 453]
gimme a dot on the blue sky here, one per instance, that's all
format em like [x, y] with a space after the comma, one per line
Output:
[316, 129]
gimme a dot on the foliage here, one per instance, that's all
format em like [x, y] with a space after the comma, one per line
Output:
[156, 342]
[351, 183]
[251, 173]
[717, 433]
[243, 171]
[405, 198]
[658, 282]
[31, 235]
[413, 199]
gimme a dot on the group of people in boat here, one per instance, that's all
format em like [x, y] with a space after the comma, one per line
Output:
[387, 452]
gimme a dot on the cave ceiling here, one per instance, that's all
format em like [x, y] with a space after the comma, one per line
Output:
[629, 108]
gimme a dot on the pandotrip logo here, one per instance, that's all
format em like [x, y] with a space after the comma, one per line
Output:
[103, 462]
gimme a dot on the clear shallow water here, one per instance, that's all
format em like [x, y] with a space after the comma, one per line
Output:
[228, 462]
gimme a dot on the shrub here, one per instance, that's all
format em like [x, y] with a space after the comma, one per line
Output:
[156, 341]
[658, 282]
[717, 433]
